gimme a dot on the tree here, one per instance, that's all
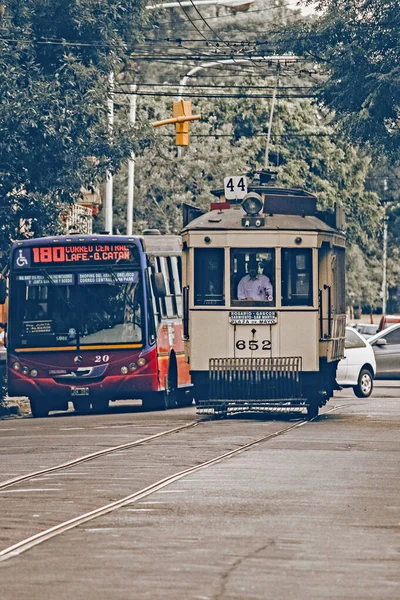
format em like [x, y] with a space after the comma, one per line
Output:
[358, 46]
[306, 147]
[55, 58]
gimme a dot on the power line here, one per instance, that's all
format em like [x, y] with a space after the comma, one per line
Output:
[240, 87]
[218, 96]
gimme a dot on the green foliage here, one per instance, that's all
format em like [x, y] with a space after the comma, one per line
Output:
[358, 46]
[55, 58]
[230, 140]
[363, 279]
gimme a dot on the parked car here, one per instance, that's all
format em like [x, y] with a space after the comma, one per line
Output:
[387, 321]
[386, 347]
[357, 368]
[367, 329]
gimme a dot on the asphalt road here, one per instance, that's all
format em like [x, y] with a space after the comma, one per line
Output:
[312, 513]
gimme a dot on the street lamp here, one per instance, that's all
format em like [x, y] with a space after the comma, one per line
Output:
[275, 59]
[237, 5]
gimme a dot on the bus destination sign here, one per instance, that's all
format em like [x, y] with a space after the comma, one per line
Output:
[75, 254]
[253, 317]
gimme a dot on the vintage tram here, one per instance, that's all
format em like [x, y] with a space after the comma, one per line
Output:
[264, 300]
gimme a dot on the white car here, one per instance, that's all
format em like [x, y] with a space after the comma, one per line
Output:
[357, 369]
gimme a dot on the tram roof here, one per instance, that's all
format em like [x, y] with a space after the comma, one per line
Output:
[232, 219]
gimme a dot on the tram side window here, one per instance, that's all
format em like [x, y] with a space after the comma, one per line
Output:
[253, 277]
[297, 277]
[209, 276]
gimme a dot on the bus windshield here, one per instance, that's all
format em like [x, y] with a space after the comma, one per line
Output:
[77, 308]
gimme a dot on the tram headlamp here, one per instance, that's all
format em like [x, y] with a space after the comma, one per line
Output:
[34, 373]
[141, 362]
[124, 370]
[17, 366]
[133, 366]
[252, 204]
[25, 370]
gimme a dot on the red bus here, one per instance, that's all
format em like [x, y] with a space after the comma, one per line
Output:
[96, 318]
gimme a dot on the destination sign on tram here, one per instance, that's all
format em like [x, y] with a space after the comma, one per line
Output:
[75, 254]
[253, 317]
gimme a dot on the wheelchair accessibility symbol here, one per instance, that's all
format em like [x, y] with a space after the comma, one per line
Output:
[21, 261]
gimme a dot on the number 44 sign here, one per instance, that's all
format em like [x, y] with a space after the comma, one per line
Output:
[235, 187]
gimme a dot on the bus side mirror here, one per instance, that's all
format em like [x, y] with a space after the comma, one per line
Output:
[3, 291]
[159, 285]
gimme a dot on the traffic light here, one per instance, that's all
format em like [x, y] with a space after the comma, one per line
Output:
[182, 108]
[181, 115]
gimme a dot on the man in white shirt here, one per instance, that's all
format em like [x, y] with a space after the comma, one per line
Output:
[255, 286]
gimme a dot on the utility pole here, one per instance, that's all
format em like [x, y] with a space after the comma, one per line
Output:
[384, 261]
[131, 164]
[271, 116]
[108, 221]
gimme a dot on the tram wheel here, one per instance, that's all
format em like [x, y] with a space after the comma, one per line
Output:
[365, 384]
[81, 406]
[39, 408]
[312, 409]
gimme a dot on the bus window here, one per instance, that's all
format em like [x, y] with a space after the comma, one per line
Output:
[209, 276]
[252, 276]
[175, 283]
[169, 298]
[297, 277]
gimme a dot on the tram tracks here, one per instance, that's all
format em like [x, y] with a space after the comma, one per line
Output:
[47, 534]
[93, 455]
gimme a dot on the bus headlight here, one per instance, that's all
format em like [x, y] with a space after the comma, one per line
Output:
[25, 370]
[133, 366]
[124, 370]
[141, 362]
[34, 373]
[17, 366]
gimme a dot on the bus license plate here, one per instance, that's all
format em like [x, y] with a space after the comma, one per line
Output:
[79, 391]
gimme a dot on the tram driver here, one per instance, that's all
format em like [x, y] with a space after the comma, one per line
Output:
[255, 285]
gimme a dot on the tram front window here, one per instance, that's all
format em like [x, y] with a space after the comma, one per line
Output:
[253, 277]
[209, 276]
[297, 277]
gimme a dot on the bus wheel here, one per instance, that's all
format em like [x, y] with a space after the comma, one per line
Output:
[156, 401]
[81, 406]
[312, 409]
[100, 406]
[39, 408]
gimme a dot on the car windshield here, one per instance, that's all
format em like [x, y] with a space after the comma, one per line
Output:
[367, 330]
[71, 309]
